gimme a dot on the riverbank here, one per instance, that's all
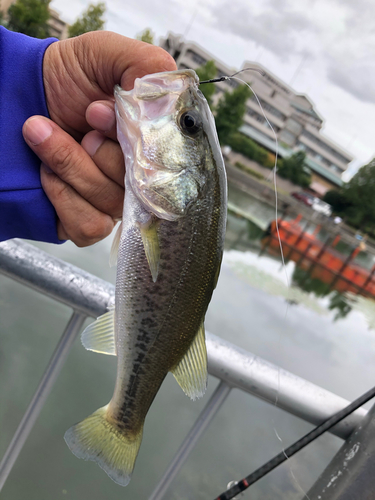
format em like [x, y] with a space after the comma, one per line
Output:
[287, 206]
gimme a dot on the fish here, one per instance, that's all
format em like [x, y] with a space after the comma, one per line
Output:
[169, 250]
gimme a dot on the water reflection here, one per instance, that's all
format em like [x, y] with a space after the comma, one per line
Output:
[338, 302]
[326, 272]
[283, 315]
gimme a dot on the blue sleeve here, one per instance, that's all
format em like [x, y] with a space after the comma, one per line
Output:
[25, 211]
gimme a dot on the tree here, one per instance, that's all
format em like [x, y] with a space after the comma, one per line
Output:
[249, 148]
[294, 169]
[338, 201]
[29, 17]
[146, 36]
[91, 20]
[230, 111]
[355, 201]
[207, 72]
[360, 194]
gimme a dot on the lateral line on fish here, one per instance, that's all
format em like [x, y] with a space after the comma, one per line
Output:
[168, 312]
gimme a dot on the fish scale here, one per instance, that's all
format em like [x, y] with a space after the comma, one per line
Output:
[168, 262]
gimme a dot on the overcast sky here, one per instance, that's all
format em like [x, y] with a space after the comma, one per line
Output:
[324, 48]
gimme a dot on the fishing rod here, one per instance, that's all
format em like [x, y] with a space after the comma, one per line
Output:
[244, 483]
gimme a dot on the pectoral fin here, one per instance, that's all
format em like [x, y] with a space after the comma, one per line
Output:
[100, 335]
[115, 245]
[191, 372]
[216, 279]
[150, 240]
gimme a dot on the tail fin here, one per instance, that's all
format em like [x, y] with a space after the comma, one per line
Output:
[98, 439]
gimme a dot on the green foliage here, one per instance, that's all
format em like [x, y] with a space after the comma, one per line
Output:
[207, 72]
[29, 17]
[360, 195]
[91, 20]
[294, 169]
[230, 111]
[249, 170]
[337, 301]
[303, 280]
[338, 201]
[355, 201]
[146, 36]
[246, 146]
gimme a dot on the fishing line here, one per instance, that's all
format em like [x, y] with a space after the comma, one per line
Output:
[308, 438]
[286, 275]
[274, 170]
[224, 78]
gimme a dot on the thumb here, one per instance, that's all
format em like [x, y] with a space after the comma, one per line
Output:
[85, 69]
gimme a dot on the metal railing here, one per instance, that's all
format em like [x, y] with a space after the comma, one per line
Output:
[88, 295]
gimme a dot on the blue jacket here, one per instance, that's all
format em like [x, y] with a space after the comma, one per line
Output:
[25, 211]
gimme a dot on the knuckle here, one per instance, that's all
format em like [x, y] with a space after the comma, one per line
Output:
[63, 160]
[95, 229]
[55, 189]
[111, 198]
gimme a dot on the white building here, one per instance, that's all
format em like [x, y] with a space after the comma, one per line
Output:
[293, 116]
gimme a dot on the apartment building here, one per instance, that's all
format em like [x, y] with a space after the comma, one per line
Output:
[293, 117]
[57, 27]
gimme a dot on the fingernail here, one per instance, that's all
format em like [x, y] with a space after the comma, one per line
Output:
[101, 117]
[37, 130]
[92, 142]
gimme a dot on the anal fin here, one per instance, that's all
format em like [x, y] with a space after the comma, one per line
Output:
[191, 372]
[100, 335]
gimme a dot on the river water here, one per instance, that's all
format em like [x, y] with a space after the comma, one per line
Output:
[326, 338]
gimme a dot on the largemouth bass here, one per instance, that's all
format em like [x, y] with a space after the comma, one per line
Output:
[169, 255]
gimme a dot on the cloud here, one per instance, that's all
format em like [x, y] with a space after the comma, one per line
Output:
[277, 26]
[339, 34]
[355, 77]
[350, 57]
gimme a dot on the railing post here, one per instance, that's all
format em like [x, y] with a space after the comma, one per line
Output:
[49, 377]
[202, 422]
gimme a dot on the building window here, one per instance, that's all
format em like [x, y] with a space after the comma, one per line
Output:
[268, 107]
[196, 57]
[325, 146]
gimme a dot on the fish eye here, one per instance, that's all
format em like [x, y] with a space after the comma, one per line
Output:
[190, 122]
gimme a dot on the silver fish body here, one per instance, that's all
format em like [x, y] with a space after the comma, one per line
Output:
[168, 262]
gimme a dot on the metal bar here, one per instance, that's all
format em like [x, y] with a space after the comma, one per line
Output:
[49, 377]
[60, 280]
[246, 371]
[212, 407]
[350, 475]
[237, 367]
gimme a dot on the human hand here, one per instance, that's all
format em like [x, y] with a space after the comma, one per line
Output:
[85, 182]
